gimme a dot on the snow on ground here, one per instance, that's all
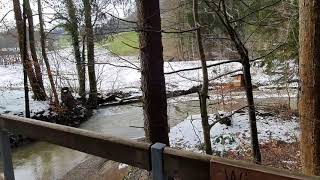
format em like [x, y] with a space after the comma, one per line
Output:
[188, 134]
[122, 166]
[121, 73]
[113, 74]
[13, 101]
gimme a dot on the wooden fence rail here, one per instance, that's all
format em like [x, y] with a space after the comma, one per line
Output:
[177, 163]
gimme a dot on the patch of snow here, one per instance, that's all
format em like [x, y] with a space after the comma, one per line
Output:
[12, 102]
[189, 134]
[122, 166]
[290, 162]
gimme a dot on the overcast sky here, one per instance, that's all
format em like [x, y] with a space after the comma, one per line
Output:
[9, 21]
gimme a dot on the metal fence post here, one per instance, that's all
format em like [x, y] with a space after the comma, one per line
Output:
[6, 155]
[157, 161]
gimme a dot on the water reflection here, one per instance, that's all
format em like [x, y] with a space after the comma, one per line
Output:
[41, 160]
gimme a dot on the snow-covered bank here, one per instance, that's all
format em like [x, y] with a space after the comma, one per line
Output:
[12, 102]
[120, 74]
[189, 135]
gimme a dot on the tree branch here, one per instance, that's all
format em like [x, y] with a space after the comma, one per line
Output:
[209, 66]
[219, 119]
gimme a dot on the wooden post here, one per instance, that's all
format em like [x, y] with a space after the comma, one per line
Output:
[6, 155]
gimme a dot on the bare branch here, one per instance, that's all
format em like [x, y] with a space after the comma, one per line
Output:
[209, 66]
[228, 73]
[220, 119]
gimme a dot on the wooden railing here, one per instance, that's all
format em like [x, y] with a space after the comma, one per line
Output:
[176, 163]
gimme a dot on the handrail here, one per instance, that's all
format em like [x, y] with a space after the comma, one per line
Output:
[122, 150]
[177, 163]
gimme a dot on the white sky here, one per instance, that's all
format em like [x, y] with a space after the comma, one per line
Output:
[9, 21]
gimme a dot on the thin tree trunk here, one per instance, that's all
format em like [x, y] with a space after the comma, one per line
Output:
[37, 91]
[203, 95]
[152, 72]
[90, 54]
[309, 70]
[252, 111]
[83, 60]
[243, 52]
[44, 54]
[25, 73]
[33, 46]
[74, 31]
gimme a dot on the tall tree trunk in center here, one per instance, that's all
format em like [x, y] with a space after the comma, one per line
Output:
[90, 54]
[203, 95]
[152, 72]
[309, 69]
[44, 54]
[74, 31]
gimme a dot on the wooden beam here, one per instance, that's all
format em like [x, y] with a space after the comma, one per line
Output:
[126, 151]
[186, 165]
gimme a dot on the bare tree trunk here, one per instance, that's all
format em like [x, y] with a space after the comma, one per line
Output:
[243, 52]
[74, 31]
[37, 91]
[152, 72]
[33, 46]
[252, 111]
[44, 54]
[25, 73]
[90, 54]
[203, 95]
[309, 70]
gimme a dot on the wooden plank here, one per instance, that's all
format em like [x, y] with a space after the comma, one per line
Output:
[224, 169]
[186, 165]
[121, 150]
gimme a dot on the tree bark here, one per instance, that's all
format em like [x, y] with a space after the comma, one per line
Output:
[44, 54]
[37, 91]
[25, 73]
[252, 111]
[203, 95]
[249, 94]
[90, 54]
[32, 46]
[152, 72]
[74, 31]
[309, 70]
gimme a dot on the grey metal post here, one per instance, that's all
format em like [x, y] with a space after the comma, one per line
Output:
[6, 155]
[157, 161]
